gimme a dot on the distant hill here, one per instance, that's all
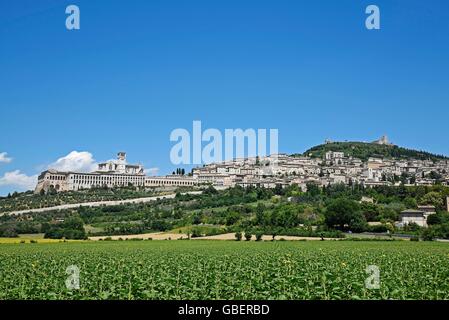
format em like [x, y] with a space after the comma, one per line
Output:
[364, 150]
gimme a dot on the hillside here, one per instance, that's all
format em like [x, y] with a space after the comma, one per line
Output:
[364, 150]
[29, 200]
[279, 211]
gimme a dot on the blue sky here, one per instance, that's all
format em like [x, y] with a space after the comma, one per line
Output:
[136, 70]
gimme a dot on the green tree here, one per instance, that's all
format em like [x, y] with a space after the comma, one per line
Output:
[434, 219]
[410, 203]
[232, 218]
[439, 218]
[259, 235]
[343, 213]
[433, 198]
[313, 189]
[196, 219]
[260, 214]
[371, 211]
[71, 228]
[428, 234]
[238, 236]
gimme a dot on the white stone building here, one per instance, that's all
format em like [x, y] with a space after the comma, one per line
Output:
[111, 174]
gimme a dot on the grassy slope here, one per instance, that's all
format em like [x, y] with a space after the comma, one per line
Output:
[365, 150]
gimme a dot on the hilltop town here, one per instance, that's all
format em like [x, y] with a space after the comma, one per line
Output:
[402, 190]
[320, 166]
[332, 168]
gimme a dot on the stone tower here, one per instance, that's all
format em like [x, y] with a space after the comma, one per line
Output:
[121, 156]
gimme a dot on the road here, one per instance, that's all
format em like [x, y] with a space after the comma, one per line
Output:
[96, 204]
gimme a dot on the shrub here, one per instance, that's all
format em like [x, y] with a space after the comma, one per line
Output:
[195, 233]
[428, 234]
[72, 228]
[381, 228]
[238, 236]
[412, 227]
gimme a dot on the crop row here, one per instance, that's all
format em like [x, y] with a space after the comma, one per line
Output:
[225, 270]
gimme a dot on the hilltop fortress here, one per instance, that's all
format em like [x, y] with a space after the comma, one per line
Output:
[269, 171]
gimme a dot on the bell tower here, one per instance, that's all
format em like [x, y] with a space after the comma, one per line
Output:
[121, 156]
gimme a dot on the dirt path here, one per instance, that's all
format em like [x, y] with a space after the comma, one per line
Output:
[97, 204]
[146, 236]
[177, 236]
[231, 236]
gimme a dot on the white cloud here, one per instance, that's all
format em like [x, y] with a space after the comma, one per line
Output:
[75, 161]
[4, 158]
[19, 180]
[152, 171]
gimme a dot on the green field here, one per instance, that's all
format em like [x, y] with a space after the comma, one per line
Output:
[225, 270]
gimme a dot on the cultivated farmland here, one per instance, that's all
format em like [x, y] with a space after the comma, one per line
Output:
[225, 270]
